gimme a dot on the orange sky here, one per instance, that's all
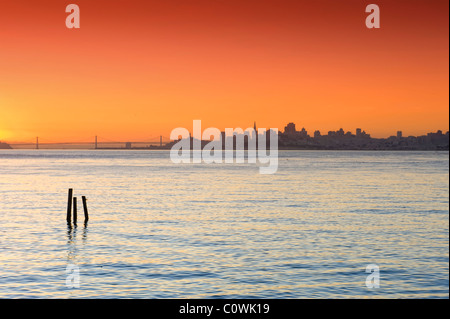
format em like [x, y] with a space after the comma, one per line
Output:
[141, 68]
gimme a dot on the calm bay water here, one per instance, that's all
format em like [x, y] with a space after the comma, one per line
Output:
[164, 230]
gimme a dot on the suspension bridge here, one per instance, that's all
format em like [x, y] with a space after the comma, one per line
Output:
[96, 143]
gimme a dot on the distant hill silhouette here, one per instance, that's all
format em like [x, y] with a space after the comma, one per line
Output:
[4, 146]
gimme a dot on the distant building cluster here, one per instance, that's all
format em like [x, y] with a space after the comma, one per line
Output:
[292, 138]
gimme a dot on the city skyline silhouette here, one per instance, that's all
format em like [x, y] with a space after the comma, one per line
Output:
[289, 138]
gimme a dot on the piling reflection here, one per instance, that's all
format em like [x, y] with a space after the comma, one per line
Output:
[71, 245]
[85, 232]
[72, 240]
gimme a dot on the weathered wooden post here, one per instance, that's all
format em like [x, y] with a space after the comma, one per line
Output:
[74, 210]
[86, 215]
[69, 205]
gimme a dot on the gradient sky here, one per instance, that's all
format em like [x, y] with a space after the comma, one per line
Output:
[137, 69]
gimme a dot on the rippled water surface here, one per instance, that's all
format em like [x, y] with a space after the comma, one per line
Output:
[164, 230]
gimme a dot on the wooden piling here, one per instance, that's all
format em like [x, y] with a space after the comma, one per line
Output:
[86, 214]
[69, 205]
[74, 210]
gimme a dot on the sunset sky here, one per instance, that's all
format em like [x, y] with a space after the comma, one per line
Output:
[137, 69]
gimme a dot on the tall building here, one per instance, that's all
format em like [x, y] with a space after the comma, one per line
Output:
[361, 133]
[358, 132]
[399, 134]
[303, 133]
[290, 129]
